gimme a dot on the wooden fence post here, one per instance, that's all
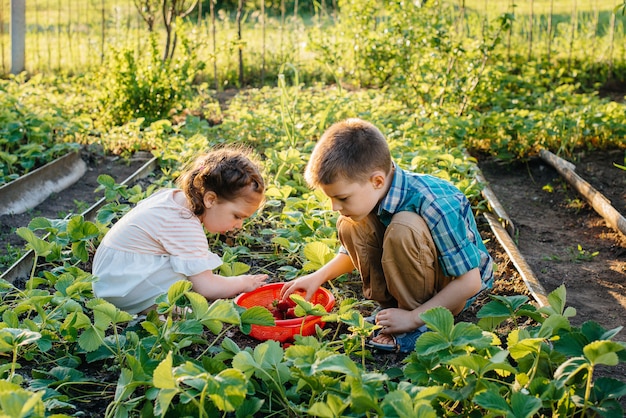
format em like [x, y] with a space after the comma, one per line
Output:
[18, 35]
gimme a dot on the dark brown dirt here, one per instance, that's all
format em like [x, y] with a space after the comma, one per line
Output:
[560, 235]
[553, 220]
[75, 199]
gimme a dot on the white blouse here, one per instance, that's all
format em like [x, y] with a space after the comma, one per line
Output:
[156, 244]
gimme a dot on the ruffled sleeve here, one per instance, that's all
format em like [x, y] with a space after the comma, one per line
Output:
[193, 266]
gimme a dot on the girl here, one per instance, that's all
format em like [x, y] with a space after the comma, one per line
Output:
[162, 239]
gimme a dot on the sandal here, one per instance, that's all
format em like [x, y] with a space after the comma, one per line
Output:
[402, 343]
[372, 317]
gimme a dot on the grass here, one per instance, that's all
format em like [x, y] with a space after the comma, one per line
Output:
[71, 36]
[558, 7]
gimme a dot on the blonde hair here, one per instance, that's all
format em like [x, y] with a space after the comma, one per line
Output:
[351, 149]
[229, 172]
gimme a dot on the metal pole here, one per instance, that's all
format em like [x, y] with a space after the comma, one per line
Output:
[18, 35]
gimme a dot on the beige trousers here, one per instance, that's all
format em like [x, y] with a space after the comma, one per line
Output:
[399, 264]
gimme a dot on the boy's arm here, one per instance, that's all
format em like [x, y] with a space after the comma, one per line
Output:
[453, 296]
[340, 264]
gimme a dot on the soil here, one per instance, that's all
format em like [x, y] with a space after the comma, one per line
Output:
[560, 235]
[75, 199]
[552, 220]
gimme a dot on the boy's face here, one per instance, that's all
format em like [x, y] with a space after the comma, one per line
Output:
[353, 199]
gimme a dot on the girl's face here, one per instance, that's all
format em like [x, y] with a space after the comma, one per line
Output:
[221, 215]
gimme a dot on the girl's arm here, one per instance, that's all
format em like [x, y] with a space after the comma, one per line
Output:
[213, 286]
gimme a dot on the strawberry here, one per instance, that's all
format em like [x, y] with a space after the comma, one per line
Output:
[291, 313]
[283, 305]
[277, 314]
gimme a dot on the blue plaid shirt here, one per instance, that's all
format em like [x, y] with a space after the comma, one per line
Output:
[448, 214]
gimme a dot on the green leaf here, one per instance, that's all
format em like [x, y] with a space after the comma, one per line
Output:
[603, 352]
[257, 315]
[268, 354]
[525, 347]
[524, 406]
[245, 362]
[552, 325]
[234, 269]
[494, 309]
[556, 299]
[91, 339]
[219, 312]
[40, 223]
[571, 368]
[188, 327]
[431, 342]
[163, 377]
[249, 407]
[339, 364]
[163, 401]
[124, 386]
[465, 333]
[199, 305]
[398, 403]
[79, 250]
[609, 388]
[228, 389]
[571, 344]
[493, 402]
[439, 319]
[333, 406]
[150, 327]
[11, 338]
[17, 402]
[106, 180]
[317, 254]
[178, 290]
[40, 247]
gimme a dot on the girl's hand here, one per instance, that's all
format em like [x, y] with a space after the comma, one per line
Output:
[252, 281]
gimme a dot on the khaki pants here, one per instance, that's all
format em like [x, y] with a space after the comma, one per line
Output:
[399, 264]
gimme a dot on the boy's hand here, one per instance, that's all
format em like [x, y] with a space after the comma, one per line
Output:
[396, 321]
[307, 284]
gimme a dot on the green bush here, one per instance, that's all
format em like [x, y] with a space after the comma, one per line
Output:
[148, 87]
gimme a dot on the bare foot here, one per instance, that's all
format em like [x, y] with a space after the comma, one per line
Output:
[385, 339]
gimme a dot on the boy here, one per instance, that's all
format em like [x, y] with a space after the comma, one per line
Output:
[412, 237]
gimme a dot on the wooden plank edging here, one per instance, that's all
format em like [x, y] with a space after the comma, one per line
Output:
[23, 266]
[534, 286]
[598, 201]
[33, 188]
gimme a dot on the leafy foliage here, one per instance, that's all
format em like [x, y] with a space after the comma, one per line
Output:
[147, 89]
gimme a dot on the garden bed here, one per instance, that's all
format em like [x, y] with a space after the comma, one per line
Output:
[74, 199]
[562, 238]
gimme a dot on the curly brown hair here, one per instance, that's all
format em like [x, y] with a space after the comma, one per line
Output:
[229, 172]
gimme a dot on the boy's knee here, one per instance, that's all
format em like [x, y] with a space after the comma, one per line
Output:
[406, 228]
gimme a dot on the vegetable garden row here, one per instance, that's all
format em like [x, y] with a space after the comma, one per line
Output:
[436, 95]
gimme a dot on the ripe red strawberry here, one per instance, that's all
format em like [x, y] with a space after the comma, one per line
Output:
[291, 313]
[277, 314]
[283, 305]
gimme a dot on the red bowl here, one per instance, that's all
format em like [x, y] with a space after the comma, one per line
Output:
[285, 329]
